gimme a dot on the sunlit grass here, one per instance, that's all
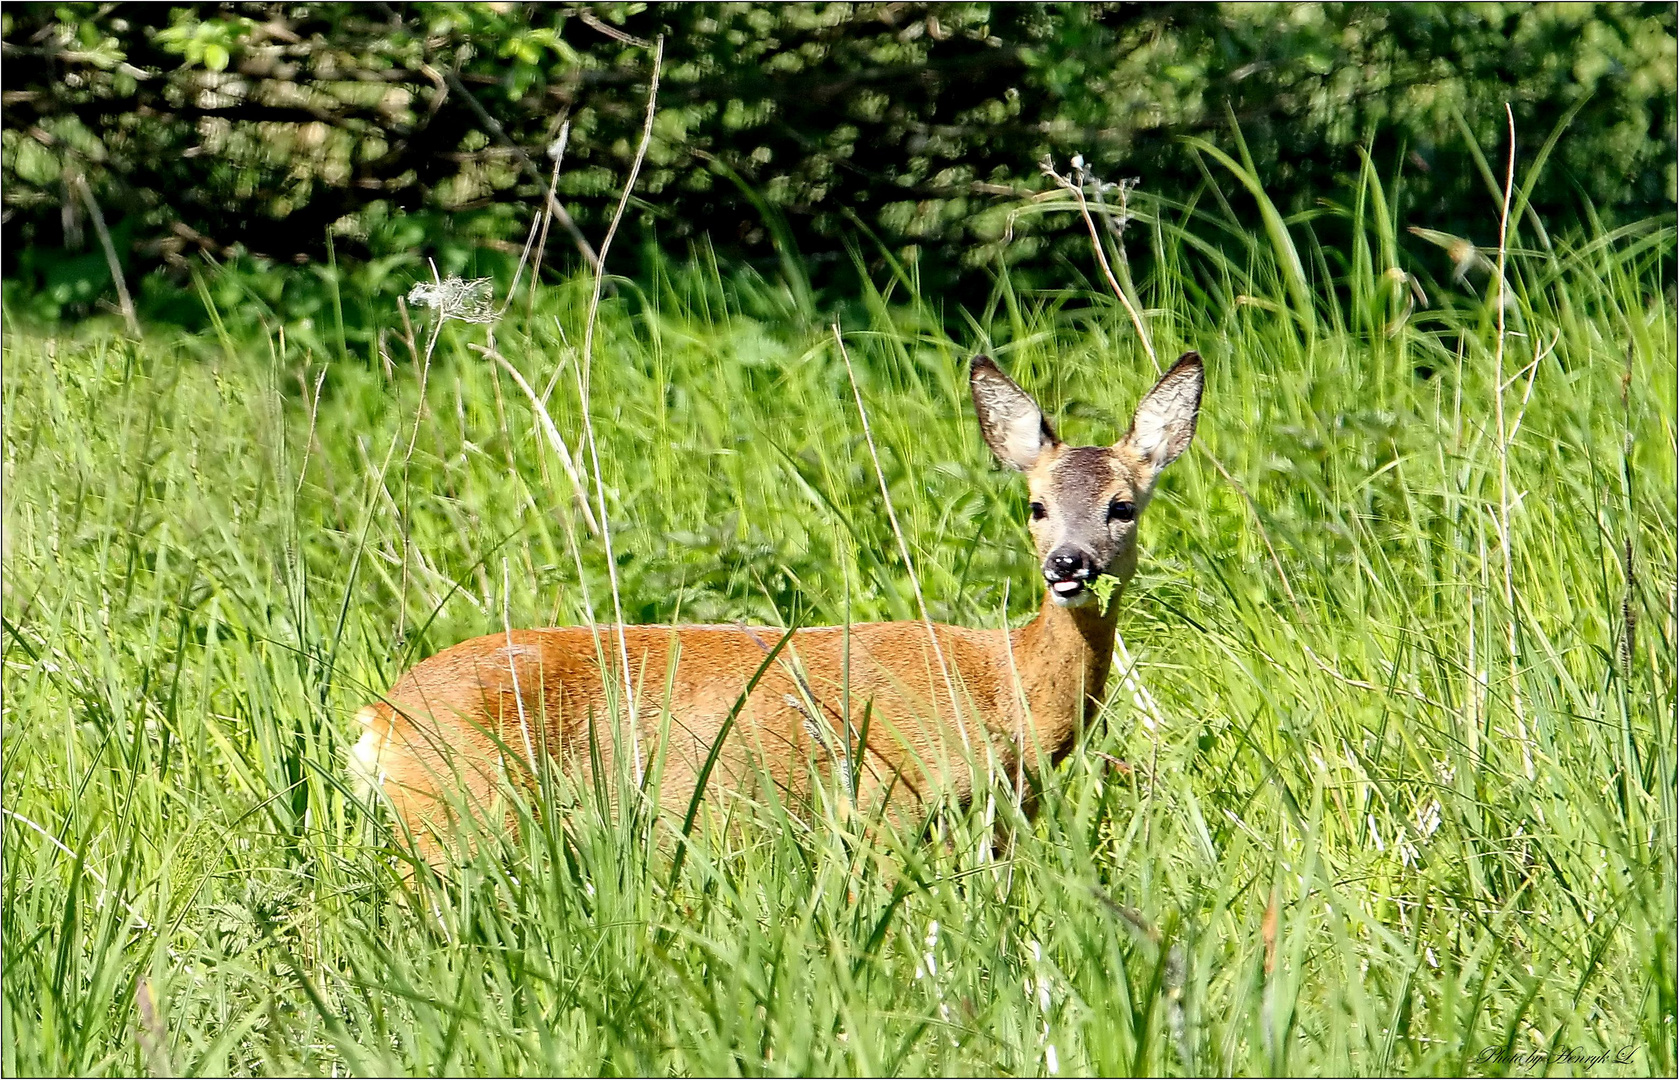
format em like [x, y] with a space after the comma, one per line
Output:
[1357, 844]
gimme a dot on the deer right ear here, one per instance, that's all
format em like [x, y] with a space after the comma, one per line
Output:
[1013, 425]
[1165, 418]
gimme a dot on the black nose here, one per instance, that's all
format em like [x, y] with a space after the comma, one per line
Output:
[1068, 564]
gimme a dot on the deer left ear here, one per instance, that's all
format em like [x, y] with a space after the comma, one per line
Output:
[1164, 422]
[1013, 425]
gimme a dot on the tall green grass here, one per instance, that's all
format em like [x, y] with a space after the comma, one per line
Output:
[1365, 837]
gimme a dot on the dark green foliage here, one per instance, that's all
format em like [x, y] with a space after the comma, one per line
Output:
[265, 127]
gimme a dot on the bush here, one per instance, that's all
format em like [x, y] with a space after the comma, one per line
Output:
[268, 128]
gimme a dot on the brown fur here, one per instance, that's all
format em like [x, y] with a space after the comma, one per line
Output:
[456, 723]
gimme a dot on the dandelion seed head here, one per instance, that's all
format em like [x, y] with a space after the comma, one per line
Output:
[463, 299]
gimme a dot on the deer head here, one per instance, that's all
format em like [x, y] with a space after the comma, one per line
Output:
[1086, 499]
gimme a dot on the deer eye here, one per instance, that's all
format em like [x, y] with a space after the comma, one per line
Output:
[1038, 511]
[1120, 510]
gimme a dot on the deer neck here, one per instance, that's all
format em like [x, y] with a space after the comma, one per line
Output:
[1063, 657]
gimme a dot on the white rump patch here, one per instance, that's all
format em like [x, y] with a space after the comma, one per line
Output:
[367, 779]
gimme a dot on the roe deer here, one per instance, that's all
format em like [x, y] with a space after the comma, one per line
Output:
[929, 702]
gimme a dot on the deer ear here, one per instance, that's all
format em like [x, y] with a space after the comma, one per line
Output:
[1013, 425]
[1165, 419]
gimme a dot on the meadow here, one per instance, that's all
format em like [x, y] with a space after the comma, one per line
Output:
[1399, 748]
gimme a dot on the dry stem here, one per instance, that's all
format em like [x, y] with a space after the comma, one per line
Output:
[558, 152]
[540, 223]
[1077, 189]
[525, 163]
[139, 920]
[588, 424]
[512, 663]
[546, 423]
[124, 301]
[1502, 295]
[903, 548]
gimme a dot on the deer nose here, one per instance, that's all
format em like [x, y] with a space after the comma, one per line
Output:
[1068, 564]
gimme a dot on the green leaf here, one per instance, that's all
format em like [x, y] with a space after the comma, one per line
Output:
[1105, 587]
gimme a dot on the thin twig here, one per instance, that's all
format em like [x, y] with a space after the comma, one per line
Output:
[539, 224]
[1477, 684]
[546, 423]
[124, 301]
[86, 869]
[1503, 296]
[612, 32]
[414, 437]
[1077, 189]
[903, 547]
[584, 375]
[408, 337]
[1129, 678]
[525, 162]
[1527, 394]
[512, 663]
[425, 369]
[525, 253]
[314, 408]
[1023, 707]
[571, 540]
[557, 150]
[1140, 695]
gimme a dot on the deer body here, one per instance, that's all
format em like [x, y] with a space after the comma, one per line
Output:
[880, 706]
